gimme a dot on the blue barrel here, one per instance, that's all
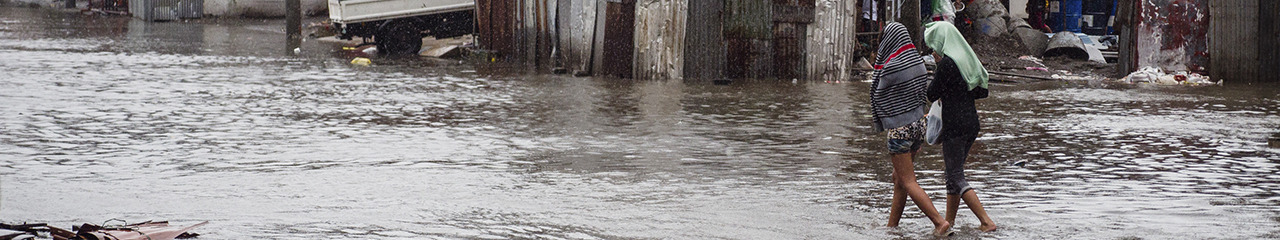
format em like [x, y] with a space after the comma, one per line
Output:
[1097, 13]
[1111, 25]
[1068, 16]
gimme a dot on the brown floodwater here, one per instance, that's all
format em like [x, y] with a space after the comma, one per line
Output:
[112, 117]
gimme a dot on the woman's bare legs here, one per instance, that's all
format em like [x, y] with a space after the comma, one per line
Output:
[904, 182]
[899, 202]
[971, 199]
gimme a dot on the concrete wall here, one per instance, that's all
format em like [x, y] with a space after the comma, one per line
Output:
[1173, 35]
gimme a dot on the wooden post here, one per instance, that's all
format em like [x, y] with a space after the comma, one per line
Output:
[1126, 23]
[293, 30]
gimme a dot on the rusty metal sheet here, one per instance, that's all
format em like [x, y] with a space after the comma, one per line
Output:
[1235, 40]
[615, 40]
[704, 56]
[793, 14]
[496, 20]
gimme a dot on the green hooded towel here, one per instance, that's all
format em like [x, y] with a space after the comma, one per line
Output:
[944, 38]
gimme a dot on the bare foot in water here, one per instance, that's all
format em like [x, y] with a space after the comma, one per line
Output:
[942, 230]
[987, 227]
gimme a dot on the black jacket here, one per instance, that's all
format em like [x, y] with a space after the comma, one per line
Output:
[959, 115]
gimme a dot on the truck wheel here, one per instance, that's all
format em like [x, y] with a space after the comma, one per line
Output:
[398, 37]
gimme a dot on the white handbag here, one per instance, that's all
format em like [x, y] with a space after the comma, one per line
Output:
[933, 123]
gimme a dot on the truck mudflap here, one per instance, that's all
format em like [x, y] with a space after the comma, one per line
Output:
[404, 35]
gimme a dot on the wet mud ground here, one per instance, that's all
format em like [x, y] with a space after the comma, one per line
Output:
[111, 117]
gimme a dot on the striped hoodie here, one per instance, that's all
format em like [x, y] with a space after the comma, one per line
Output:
[898, 84]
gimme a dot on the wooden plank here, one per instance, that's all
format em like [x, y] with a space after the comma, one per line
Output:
[581, 27]
[597, 38]
[1020, 75]
[496, 20]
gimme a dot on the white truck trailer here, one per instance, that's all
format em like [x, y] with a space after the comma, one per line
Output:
[398, 26]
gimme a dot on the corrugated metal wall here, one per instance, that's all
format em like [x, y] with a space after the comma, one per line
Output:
[704, 56]
[832, 40]
[791, 19]
[1268, 38]
[1234, 41]
[544, 34]
[748, 33]
[660, 39]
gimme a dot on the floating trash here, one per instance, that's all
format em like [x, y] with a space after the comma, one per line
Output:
[361, 61]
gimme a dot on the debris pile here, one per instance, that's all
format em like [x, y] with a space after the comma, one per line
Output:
[138, 231]
[1152, 75]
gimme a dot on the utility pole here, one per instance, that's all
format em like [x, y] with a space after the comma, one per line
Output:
[910, 18]
[293, 18]
[293, 25]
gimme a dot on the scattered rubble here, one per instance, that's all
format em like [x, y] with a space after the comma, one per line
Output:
[1152, 75]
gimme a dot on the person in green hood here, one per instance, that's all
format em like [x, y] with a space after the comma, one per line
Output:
[958, 81]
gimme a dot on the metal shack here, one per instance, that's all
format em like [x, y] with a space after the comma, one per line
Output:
[1231, 40]
[675, 39]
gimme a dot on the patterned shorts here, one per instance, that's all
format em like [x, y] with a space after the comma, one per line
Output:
[906, 138]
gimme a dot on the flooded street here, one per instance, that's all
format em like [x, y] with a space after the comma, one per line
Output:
[112, 117]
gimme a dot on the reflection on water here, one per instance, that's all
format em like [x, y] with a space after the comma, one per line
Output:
[212, 121]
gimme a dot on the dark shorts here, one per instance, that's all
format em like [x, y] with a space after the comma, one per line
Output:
[907, 138]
